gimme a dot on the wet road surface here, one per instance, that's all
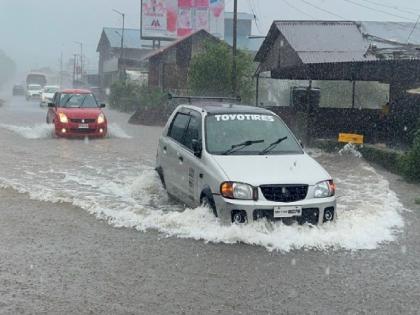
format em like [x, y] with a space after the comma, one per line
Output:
[57, 257]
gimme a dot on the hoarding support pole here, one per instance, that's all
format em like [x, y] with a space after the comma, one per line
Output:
[257, 90]
[234, 52]
[122, 43]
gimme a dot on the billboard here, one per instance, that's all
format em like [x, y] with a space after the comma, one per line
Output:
[170, 19]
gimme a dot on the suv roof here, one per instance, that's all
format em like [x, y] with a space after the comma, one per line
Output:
[222, 108]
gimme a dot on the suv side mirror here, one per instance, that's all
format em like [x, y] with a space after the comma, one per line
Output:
[197, 147]
[102, 105]
[51, 105]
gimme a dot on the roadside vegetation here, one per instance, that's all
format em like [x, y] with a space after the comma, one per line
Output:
[147, 103]
[409, 163]
[211, 72]
[405, 164]
[8, 68]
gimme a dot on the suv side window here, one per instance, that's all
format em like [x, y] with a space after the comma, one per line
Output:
[179, 124]
[193, 132]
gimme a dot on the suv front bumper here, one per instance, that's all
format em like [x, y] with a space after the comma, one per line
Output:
[314, 211]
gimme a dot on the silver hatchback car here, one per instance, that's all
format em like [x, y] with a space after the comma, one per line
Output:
[244, 163]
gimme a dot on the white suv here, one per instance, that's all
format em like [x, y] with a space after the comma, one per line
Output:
[244, 163]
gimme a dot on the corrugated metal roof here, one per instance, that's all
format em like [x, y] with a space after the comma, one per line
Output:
[131, 38]
[175, 43]
[311, 57]
[398, 32]
[325, 41]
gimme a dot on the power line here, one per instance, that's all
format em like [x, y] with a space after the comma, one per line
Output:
[299, 10]
[378, 10]
[397, 8]
[323, 10]
[255, 15]
[412, 31]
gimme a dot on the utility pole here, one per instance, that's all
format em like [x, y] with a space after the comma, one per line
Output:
[74, 68]
[61, 69]
[234, 49]
[81, 60]
[122, 41]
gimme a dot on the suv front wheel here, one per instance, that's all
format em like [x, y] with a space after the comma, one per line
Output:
[208, 202]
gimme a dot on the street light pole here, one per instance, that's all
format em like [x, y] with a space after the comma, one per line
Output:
[234, 50]
[122, 36]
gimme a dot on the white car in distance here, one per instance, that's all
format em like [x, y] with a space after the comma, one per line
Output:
[48, 94]
[33, 91]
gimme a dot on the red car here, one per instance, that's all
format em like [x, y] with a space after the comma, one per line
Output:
[76, 113]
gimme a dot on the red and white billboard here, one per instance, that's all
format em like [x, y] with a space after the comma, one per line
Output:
[170, 19]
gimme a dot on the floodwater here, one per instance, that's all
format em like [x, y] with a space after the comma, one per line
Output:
[114, 180]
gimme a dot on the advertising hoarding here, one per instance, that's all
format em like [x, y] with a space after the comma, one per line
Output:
[171, 19]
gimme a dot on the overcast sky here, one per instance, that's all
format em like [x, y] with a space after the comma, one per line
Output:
[34, 32]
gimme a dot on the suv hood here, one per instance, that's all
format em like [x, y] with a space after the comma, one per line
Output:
[89, 113]
[272, 169]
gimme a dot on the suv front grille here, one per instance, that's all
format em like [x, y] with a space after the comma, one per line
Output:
[284, 193]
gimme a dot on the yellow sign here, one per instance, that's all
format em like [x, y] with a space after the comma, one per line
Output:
[350, 138]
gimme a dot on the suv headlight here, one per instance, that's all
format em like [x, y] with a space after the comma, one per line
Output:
[101, 118]
[63, 118]
[324, 189]
[233, 190]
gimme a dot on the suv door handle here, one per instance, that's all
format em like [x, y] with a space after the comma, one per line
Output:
[180, 157]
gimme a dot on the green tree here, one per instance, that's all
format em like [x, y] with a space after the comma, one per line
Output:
[7, 68]
[211, 72]
[410, 162]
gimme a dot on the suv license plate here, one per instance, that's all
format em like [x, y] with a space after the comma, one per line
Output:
[287, 212]
[83, 126]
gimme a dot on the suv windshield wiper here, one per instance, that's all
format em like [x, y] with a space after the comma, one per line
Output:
[272, 145]
[240, 146]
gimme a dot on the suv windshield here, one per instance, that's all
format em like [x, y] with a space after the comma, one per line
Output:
[78, 100]
[258, 131]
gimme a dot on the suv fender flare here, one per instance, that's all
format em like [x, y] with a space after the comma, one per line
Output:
[159, 171]
[206, 192]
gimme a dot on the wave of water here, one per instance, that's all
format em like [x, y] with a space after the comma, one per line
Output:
[39, 131]
[45, 131]
[126, 195]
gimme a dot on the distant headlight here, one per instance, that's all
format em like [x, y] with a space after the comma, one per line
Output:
[232, 190]
[324, 189]
[101, 118]
[63, 118]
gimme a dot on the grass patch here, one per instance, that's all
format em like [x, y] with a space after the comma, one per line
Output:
[417, 201]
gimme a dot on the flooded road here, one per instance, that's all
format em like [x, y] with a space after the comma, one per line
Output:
[364, 262]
